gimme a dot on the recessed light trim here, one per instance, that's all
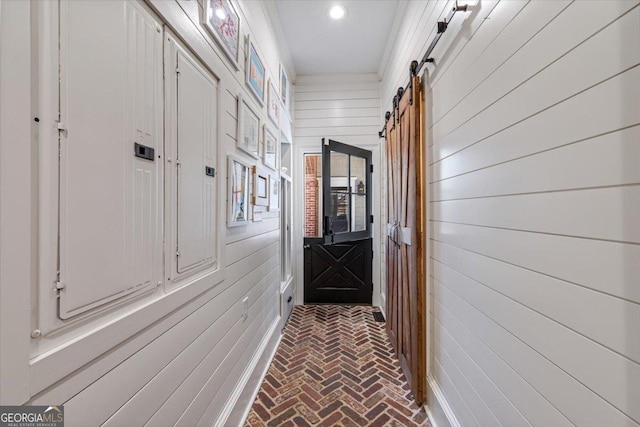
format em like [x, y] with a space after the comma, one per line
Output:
[337, 11]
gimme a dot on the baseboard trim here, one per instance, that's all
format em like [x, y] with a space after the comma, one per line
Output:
[438, 409]
[239, 404]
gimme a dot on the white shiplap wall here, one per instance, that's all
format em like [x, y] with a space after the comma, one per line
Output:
[187, 357]
[533, 132]
[344, 108]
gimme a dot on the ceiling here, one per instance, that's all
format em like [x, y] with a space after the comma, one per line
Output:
[321, 45]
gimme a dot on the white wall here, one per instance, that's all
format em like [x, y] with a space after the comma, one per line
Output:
[183, 356]
[344, 108]
[532, 114]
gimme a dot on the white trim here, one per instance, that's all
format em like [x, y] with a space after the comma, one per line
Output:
[239, 403]
[17, 205]
[438, 409]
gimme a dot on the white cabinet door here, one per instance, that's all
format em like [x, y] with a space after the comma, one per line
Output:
[196, 145]
[191, 139]
[110, 205]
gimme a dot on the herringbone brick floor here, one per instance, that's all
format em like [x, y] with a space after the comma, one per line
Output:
[335, 367]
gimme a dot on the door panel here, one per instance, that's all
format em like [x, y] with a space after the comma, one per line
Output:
[192, 198]
[110, 106]
[196, 143]
[338, 273]
[338, 246]
[406, 286]
[349, 171]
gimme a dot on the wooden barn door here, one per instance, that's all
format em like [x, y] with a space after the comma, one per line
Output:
[406, 286]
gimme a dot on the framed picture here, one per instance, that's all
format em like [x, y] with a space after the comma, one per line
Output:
[255, 72]
[248, 128]
[260, 187]
[223, 22]
[270, 149]
[273, 103]
[237, 192]
[285, 90]
[274, 193]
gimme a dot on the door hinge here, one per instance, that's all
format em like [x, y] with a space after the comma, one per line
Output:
[371, 219]
[178, 70]
[371, 168]
[61, 127]
[59, 285]
[177, 253]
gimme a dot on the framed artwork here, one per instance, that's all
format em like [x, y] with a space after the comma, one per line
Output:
[285, 90]
[270, 157]
[248, 128]
[273, 103]
[260, 187]
[255, 72]
[223, 23]
[274, 193]
[237, 192]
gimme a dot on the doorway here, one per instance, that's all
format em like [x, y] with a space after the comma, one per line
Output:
[337, 225]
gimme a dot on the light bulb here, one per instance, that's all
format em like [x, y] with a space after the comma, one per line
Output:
[337, 12]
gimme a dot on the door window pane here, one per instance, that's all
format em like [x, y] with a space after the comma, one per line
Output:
[358, 174]
[339, 215]
[359, 203]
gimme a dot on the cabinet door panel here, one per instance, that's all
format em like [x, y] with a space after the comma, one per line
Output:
[196, 125]
[110, 99]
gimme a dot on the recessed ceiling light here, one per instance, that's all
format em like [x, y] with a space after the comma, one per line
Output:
[337, 12]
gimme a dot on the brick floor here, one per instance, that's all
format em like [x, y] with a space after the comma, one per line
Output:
[335, 367]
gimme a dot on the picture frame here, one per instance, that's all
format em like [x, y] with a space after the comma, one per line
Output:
[238, 180]
[248, 132]
[260, 187]
[273, 103]
[222, 21]
[271, 151]
[255, 73]
[285, 90]
[274, 193]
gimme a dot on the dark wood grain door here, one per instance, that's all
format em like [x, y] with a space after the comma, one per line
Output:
[406, 286]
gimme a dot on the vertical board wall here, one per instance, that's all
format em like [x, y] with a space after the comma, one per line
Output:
[532, 121]
[184, 355]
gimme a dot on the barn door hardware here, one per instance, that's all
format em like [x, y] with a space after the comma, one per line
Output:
[416, 66]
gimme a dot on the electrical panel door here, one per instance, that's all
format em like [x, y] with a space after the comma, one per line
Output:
[110, 140]
[196, 168]
[191, 97]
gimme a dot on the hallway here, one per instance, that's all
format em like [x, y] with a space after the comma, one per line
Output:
[182, 181]
[335, 366]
